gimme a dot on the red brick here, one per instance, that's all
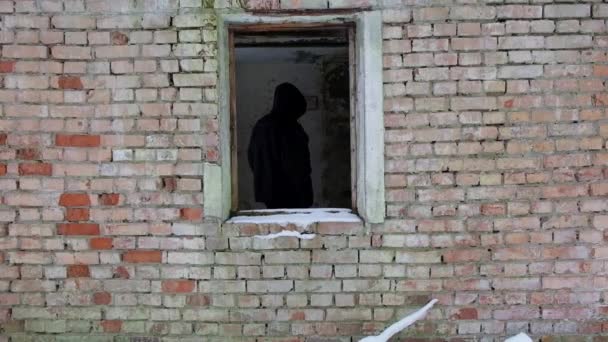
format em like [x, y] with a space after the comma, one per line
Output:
[192, 214]
[111, 326]
[119, 38]
[74, 200]
[35, 169]
[2, 169]
[142, 257]
[101, 243]
[70, 82]
[169, 183]
[109, 199]
[493, 209]
[212, 154]
[77, 140]
[600, 189]
[102, 298]
[465, 313]
[78, 229]
[2, 138]
[78, 271]
[600, 70]
[28, 153]
[122, 272]
[600, 100]
[77, 214]
[178, 286]
[7, 66]
[297, 316]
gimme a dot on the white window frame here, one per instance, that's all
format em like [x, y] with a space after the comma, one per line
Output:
[217, 178]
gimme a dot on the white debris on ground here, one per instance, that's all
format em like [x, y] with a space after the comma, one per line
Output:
[400, 325]
[298, 217]
[417, 315]
[287, 233]
[521, 337]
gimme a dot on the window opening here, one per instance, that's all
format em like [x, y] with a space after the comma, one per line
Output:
[270, 66]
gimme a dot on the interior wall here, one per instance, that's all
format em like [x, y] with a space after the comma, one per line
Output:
[258, 72]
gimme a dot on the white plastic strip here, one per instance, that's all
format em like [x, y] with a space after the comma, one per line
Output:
[400, 325]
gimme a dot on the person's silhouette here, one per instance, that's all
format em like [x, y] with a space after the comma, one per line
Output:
[278, 153]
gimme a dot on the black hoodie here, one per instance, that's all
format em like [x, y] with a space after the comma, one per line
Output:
[278, 153]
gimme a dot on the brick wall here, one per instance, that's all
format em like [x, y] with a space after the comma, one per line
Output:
[496, 175]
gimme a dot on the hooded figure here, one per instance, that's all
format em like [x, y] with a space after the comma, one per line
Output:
[278, 153]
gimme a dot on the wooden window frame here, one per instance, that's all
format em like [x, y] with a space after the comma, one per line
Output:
[367, 125]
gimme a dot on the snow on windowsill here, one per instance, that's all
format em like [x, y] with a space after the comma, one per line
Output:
[287, 233]
[299, 217]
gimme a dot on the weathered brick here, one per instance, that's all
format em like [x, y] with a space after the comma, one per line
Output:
[521, 42]
[35, 169]
[70, 82]
[26, 21]
[469, 44]
[119, 38]
[193, 20]
[471, 103]
[78, 229]
[72, 22]
[304, 4]
[519, 12]
[568, 42]
[124, 51]
[269, 286]
[77, 271]
[567, 11]
[516, 72]
[109, 199]
[74, 200]
[71, 52]
[472, 12]
[262, 4]
[111, 326]
[101, 243]
[194, 80]
[191, 214]
[65, 140]
[494, 178]
[142, 257]
[7, 66]
[119, 21]
[77, 214]
[178, 286]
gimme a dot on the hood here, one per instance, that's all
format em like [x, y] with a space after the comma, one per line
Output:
[289, 103]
